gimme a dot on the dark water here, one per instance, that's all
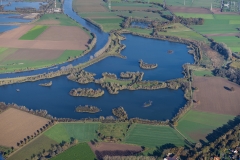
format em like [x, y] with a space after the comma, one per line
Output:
[150, 51]
[59, 103]
[1, 157]
[21, 5]
[4, 28]
[139, 24]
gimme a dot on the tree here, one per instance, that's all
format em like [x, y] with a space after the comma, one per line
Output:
[232, 89]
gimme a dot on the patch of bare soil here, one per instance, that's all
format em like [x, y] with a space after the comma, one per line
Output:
[16, 125]
[215, 57]
[215, 95]
[114, 149]
[189, 10]
[34, 54]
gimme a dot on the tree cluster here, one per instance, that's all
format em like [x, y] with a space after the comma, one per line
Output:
[232, 74]
[223, 49]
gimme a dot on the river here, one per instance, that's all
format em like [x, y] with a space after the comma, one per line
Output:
[57, 101]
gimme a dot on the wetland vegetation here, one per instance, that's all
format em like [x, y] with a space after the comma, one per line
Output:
[86, 92]
[87, 108]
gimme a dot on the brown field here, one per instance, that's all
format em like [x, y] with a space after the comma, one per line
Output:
[55, 38]
[215, 96]
[114, 149]
[188, 10]
[89, 6]
[16, 125]
[34, 55]
[222, 34]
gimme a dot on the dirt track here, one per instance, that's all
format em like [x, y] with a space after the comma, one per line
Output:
[16, 125]
[188, 10]
[54, 40]
[114, 149]
[215, 96]
[34, 55]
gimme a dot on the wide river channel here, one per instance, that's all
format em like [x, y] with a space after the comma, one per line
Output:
[57, 101]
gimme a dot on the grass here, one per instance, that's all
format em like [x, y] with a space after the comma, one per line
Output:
[24, 64]
[222, 24]
[34, 147]
[203, 73]
[79, 152]
[116, 130]
[84, 132]
[109, 24]
[61, 18]
[194, 15]
[195, 3]
[121, 82]
[183, 32]
[152, 136]
[197, 125]
[137, 14]
[141, 31]
[34, 32]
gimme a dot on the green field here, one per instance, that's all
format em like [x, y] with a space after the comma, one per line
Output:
[183, 32]
[141, 31]
[34, 32]
[134, 6]
[116, 130]
[197, 125]
[109, 23]
[195, 3]
[222, 24]
[84, 132]
[203, 73]
[79, 152]
[24, 64]
[34, 147]
[137, 14]
[152, 136]
[61, 18]
[194, 15]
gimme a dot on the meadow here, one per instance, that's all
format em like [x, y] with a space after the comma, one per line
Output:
[195, 3]
[152, 136]
[83, 132]
[116, 130]
[195, 15]
[109, 23]
[196, 125]
[34, 147]
[203, 73]
[81, 151]
[34, 32]
[13, 65]
[223, 28]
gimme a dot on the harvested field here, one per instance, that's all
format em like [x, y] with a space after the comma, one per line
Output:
[114, 149]
[88, 6]
[188, 10]
[215, 96]
[22, 125]
[16, 33]
[64, 33]
[33, 55]
[56, 38]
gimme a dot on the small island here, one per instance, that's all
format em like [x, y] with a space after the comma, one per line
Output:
[147, 104]
[46, 84]
[170, 51]
[86, 92]
[87, 108]
[147, 66]
[120, 113]
[82, 77]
